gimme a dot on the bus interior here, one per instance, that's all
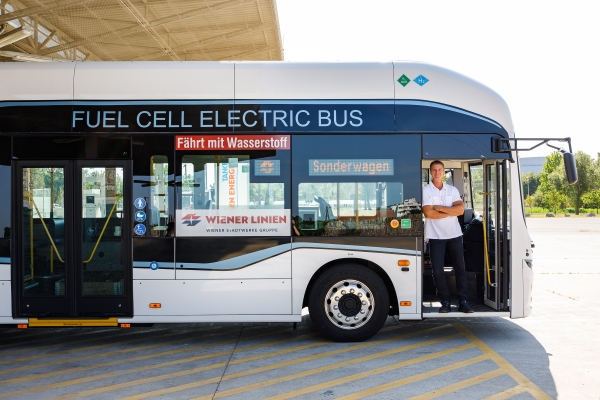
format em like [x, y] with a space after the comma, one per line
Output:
[483, 188]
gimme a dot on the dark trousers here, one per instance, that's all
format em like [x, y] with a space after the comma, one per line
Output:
[437, 250]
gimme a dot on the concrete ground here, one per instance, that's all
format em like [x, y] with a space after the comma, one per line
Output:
[566, 301]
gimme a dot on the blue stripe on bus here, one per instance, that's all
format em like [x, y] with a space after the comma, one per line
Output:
[161, 265]
[317, 102]
[150, 102]
[4, 260]
[354, 248]
[240, 261]
[410, 115]
[262, 255]
[445, 107]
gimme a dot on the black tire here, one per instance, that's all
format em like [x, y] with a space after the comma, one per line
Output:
[361, 311]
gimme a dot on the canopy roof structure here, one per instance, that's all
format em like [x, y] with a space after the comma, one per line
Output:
[139, 30]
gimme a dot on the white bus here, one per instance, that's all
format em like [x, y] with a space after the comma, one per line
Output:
[186, 192]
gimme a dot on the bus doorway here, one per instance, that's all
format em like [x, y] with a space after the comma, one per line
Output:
[485, 226]
[496, 234]
[72, 241]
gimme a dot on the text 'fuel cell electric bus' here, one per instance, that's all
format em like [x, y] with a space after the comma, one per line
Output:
[166, 192]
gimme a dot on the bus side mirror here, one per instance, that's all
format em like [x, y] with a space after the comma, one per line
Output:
[570, 167]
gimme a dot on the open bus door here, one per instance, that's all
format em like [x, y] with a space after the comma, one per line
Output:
[496, 234]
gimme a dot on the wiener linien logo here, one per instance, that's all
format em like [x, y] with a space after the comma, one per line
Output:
[191, 220]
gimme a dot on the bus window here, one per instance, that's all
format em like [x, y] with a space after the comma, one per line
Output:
[217, 182]
[5, 193]
[355, 208]
[240, 188]
[363, 186]
[476, 175]
[153, 182]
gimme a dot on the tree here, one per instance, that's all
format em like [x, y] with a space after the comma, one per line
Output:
[592, 198]
[553, 161]
[586, 182]
[553, 178]
[555, 200]
[529, 202]
[530, 183]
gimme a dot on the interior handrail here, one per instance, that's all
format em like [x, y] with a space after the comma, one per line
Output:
[487, 257]
[103, 229]
[30, 196]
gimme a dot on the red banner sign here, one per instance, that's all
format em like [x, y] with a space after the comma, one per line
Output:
[232, 142]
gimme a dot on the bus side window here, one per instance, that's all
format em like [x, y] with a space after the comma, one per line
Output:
[226, 192]
[153, 182]
[363, 185]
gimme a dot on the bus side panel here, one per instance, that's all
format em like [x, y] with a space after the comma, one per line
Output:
[5, 291]
[527, 289]
[212, 297]
[44, 81]
[277, 267]
[264, 80]
[306, 262]
[142, 270]
[521, 276]
[154, 81]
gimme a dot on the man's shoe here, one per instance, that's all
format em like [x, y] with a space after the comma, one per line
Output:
[465, 307]
[445, 308]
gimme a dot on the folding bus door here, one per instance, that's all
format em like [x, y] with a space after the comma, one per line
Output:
[72, 240]
[495, 221]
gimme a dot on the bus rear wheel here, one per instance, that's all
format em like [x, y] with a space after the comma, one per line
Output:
[349, 303]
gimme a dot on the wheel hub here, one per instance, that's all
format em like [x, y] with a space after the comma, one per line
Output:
[349, 304]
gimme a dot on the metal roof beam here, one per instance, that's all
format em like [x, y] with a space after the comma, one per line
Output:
[138, 28]
[48, 7]
[143, 22]
[257, 50]
[205, 42]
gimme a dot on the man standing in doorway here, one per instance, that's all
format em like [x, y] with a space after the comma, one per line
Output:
[441, 206]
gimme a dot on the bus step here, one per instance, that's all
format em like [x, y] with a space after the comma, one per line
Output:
[50, 322]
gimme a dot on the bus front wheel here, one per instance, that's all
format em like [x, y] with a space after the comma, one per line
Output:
[349, 303]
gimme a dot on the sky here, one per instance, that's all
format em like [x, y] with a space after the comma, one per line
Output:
[542, 57]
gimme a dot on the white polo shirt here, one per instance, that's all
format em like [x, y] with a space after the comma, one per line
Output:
[443, 228]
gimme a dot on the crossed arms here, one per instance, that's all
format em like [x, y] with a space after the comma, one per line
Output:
[438, 212]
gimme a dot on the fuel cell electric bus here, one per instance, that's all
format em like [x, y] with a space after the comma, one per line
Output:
[187, 192]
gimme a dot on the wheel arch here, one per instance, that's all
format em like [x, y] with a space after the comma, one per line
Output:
[394, 307]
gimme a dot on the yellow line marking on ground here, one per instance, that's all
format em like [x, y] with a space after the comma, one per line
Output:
[100, 335]
[330, 367]
[132, 359]
[507, 394]
[459, 385]
[282, 364]
[37, 339]
[37, 356]
[213, 366]
[190, 371]
[170, 363]
[514, 373]
[387, 368]
[100, 346]
[106, 354]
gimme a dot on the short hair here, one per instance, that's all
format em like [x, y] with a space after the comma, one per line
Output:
[435, 162]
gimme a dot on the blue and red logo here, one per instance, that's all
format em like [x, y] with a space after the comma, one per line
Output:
[191, 220]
